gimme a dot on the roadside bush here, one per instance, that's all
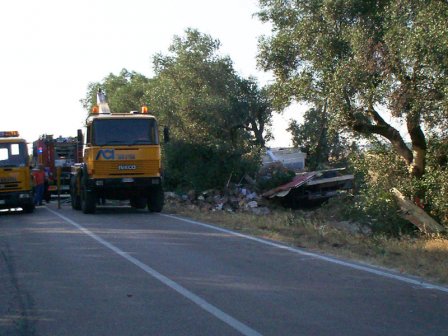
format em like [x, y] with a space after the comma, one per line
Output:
[434, 184]
[379, 170]
[205, 166]
[273, 175]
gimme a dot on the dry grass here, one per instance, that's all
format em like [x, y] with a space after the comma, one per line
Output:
[424, 257]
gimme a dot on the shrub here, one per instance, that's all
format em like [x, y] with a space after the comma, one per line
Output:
[379, 170]
[205, 166]
[435, 180]
[273, 175]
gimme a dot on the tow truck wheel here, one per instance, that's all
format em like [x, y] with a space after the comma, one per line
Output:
[138, 202]
[74, 197]
[29, 208]
[156, 199]
[88, 201]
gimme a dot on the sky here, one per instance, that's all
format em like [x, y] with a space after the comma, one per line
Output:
[52, 49]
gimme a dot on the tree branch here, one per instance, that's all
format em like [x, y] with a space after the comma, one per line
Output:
[381, 128]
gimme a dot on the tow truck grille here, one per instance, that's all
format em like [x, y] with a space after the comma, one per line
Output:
[9, 186]
[126, 168]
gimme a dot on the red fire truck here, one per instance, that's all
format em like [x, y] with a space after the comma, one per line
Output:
[53, 153]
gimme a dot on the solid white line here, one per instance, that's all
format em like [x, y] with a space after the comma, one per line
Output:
[229, 320]
[364, 268]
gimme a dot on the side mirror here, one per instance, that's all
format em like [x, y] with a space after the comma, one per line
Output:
[80, 137]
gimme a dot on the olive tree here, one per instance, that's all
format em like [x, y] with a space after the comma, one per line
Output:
[125, 91]
[198, 94]
[362, 59]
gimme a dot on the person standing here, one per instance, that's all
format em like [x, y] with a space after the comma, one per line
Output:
[47, 194]
[39, 183]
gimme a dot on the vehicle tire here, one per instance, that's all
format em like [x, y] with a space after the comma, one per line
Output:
[156, 199]
[74, 197]
[88, 201]
[28, 208]
[138, 202]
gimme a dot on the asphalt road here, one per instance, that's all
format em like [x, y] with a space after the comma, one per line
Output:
[129, 272]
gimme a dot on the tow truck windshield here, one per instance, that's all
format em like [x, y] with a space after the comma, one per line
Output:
[125, 132]
[13, 155]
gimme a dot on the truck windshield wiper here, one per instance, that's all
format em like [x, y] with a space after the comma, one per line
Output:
[144, 142]
[111, 142]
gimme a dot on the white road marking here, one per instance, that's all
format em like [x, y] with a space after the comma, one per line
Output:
[364, 268]
[229, 320]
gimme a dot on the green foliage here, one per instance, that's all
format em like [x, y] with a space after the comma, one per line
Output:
[215, 117]
[125, 92]
[256, 105]
[323, 146]
[196, 166]
[197, 93]
[273, 176]
[379, 170]
[359, 58]
[433, 187]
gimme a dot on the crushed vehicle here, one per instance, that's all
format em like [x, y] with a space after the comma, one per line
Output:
[312, 187]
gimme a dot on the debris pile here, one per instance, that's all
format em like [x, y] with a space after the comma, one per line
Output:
[232, 199]
[294, 190]
[281, 178]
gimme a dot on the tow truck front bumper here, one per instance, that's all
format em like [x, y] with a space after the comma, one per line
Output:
[124, 188]
[16, 199]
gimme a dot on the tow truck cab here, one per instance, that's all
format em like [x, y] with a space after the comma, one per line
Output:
[121, 161]
[16, 186]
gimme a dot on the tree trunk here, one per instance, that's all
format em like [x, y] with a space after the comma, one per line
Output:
[252, 126]
[417, 166]
[322, 141]
[416, 215]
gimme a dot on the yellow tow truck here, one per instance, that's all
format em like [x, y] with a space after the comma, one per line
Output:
[16, 184]
[121, 161]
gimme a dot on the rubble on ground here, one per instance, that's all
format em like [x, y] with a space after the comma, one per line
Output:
[274, 180]
[233, 199]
